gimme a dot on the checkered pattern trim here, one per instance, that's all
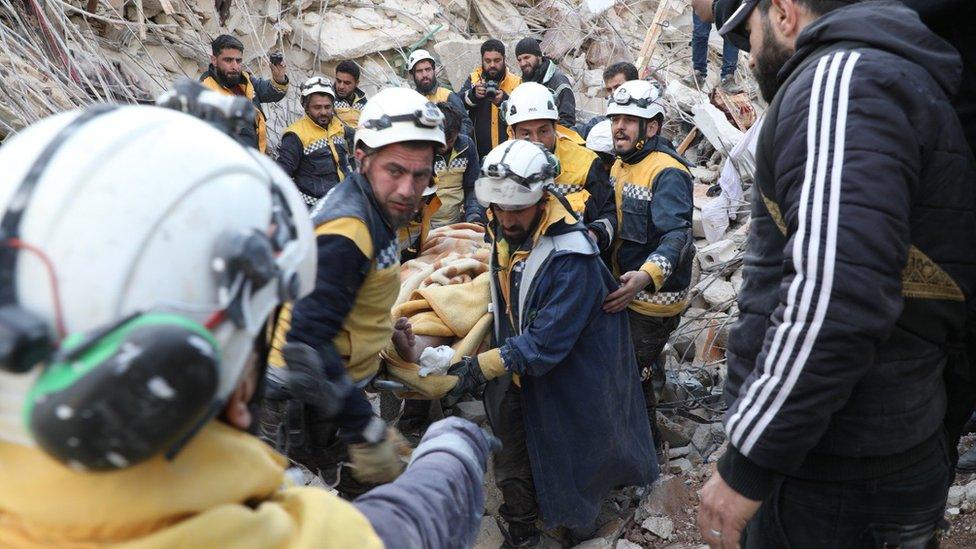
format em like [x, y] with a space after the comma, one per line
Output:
[459, 163]
[323, 143]
[639, 192]
[309, 199]
[662, 263]
[661, 298]
[568, 189]
[388, 256]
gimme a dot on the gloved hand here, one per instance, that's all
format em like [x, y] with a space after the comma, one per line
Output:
[309, 382]
[469, 375]
[380, 462]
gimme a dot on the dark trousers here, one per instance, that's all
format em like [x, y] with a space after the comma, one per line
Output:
[699, 49]
[649, 335]
[306, 437]
[513, 471]
[903, 509]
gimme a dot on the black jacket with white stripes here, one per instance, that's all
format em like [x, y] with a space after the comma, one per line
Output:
[861, 255]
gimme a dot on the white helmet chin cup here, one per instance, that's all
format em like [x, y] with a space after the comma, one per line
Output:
[158, 252]
[399, 115]
[600, 138]
[417, 56]
[530, 101]
[318, 84]
[515, 173]
[638, 98]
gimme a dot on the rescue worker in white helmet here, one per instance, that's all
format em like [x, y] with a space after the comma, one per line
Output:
[600, 141]
[313, 149]
[563, 377]
[346, 319]
[531, 114]
[654, 248]
[137, 361]
[423, 70]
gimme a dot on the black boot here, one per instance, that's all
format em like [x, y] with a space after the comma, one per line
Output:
[520, 535]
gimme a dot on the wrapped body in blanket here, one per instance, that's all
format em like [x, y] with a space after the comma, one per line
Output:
[443, 301]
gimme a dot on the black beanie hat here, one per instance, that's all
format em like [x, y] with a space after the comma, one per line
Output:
[528, 45]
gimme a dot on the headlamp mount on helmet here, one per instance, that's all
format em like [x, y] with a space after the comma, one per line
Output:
[429, 117]
[145, 383]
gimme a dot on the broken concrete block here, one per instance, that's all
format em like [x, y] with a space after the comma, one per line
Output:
[626, 544]
[502, 20]
[673, 433]
[704, 175]
[680, 466]
[957, 495]
[719, 295]
[697, 227]
[736, 280]
[661, 527]
[717, 255]
[716, 128]
[971, 492]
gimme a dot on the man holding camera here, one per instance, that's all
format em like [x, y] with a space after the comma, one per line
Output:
[483, 93]
[226, 75]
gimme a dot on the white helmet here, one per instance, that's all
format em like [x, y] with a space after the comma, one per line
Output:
[600, 138]
[515, 174]
[417, 56]
[397, 115]
[140, 210]
[530, 101]
[638, 98]
[318, 84]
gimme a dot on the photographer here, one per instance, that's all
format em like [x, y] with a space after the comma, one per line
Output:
[483, 93]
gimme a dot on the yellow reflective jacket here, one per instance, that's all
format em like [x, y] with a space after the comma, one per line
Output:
[223, 490]
[260, 122]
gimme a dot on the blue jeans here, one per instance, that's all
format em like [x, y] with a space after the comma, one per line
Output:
[902, 509]
[699, 49]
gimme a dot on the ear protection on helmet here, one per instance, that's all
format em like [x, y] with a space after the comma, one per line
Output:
[144, 384]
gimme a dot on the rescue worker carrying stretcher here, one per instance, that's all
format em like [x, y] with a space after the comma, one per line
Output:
[564, 398]
[340, 328]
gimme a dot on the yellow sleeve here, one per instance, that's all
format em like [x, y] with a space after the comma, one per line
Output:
[352, 228]
[491, 364]
[656, 274]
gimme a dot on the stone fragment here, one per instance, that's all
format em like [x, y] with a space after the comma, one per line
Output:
[680, 466]
[714, 256]
[675, 434]
[626, 544]
[971, 492]
[719, 295]
[661, 527]
[956, 495]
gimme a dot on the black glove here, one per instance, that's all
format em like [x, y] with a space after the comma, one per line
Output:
[308, 381]
[469, 375]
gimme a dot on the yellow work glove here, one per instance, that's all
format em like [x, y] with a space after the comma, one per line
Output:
[380, 462]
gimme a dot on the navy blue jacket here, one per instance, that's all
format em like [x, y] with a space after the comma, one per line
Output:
[585, 422]
[861, 256]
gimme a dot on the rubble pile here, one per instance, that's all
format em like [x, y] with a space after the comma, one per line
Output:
[61, 54]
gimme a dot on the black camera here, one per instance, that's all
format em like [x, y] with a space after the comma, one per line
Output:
[276, 58]
[491, 89]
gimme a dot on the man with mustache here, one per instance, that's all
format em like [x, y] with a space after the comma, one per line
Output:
[346, 318]
[859, 268]
[313, 149]
[654, 250]
[423, 70]
[483, 93]
[350, 100]
[540, 69]
[227, 76]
